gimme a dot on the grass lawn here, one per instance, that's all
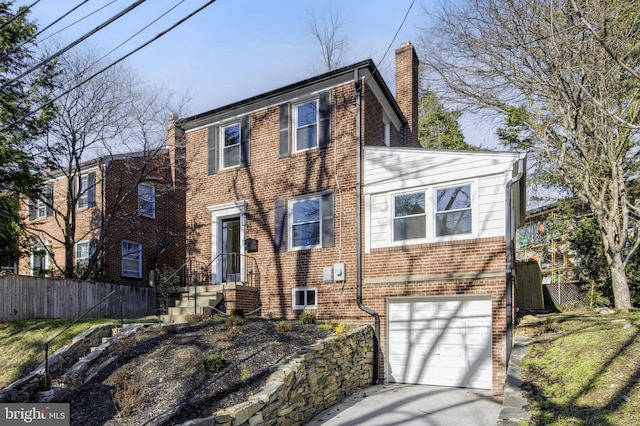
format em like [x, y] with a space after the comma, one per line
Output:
[22, 343]
[583, 369]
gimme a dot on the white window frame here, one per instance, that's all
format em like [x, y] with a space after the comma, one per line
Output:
[41, 208]
[431, 212]
[144, 204]
[290, 223]
[83, 191]
[316, 144]
[394, 218]
[45, 247]
[222, 147]
[305, 291]
[128, 255]
[78, 258]
[386, 129]
[472, 208]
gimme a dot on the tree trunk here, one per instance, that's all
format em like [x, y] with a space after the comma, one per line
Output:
[621, 295]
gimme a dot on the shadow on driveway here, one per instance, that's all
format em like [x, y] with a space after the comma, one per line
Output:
[401, 404]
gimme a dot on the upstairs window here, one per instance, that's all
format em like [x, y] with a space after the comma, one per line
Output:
[131, 259]
[86, 190]
[409, 217]
[42, 207]
[453, 215]
[306, 125]
[230, 150]
[147, 200]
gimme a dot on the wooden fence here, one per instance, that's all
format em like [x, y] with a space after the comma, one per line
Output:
[23, 297]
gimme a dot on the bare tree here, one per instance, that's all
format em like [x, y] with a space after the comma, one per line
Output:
[111, 117]
[326, 31]
[563, 74]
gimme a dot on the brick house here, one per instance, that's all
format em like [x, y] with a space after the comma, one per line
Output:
[127, 219]
[317, 197]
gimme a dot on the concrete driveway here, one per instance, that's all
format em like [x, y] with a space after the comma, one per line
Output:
[400, 404]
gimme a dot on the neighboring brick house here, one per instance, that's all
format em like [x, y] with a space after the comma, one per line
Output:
[318, 197]
[128, 217]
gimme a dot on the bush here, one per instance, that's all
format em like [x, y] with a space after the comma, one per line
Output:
[237, 312]
[341, 328]
[307, 318]
[196, 318]
[233, 321]
[284, 326]
[128, 394]
[214, 362]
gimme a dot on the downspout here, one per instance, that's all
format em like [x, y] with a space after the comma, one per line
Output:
[510, 236]
[376, 317]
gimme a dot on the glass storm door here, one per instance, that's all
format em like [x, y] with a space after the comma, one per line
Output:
[231, 249]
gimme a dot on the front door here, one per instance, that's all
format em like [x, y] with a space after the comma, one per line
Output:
[231, 250]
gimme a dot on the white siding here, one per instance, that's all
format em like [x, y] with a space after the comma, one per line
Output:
[390, 170]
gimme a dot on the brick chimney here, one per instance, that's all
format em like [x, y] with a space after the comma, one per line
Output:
[407, 90]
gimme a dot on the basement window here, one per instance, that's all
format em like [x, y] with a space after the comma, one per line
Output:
[304, 298]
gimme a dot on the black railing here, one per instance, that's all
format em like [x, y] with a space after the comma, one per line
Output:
[46, 345]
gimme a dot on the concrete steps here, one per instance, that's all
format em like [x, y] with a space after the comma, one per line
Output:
[197, 300]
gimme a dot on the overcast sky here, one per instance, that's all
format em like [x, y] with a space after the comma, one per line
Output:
[236, 49]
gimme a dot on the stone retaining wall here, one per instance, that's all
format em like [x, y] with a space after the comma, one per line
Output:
[314, 379]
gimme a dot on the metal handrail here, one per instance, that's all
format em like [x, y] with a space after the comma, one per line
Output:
[46, 345]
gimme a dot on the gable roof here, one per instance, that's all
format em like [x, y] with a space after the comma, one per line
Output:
[364, 69]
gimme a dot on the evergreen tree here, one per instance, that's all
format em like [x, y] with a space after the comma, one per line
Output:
[22, 122]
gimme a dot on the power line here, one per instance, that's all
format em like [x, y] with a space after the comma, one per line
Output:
[156, 37]
[393, 40]
[74, 43]
[33, 37]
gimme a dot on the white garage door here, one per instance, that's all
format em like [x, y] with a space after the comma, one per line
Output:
[443, 341]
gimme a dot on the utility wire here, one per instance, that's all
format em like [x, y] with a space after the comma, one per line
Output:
[156, 37]
[141, 30]
[393, 40]
[74, 43]
[73, 23]
[30, 39]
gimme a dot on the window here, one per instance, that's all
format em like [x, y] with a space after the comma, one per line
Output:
[409, 217]
[304, 297]
[42, 207]
[305, 223]
[230, 149]
[453, 214]
[39, 261]
[386, 129]
[147, 200]
[131, 259]
[83, 193]
[83, 252]
[306, 125]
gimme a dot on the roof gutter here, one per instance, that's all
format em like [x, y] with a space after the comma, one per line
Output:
[376, 346]
[509, 255]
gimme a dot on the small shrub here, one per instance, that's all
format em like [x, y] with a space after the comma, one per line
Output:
[284, 327]
[307, 318]
[245, 373]
[326, 326]
[170, 329]
[237, 312]
[128, 393]
[214, 362]
[123, 346]
[233, 321]
[196, 318]
[341, 328]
